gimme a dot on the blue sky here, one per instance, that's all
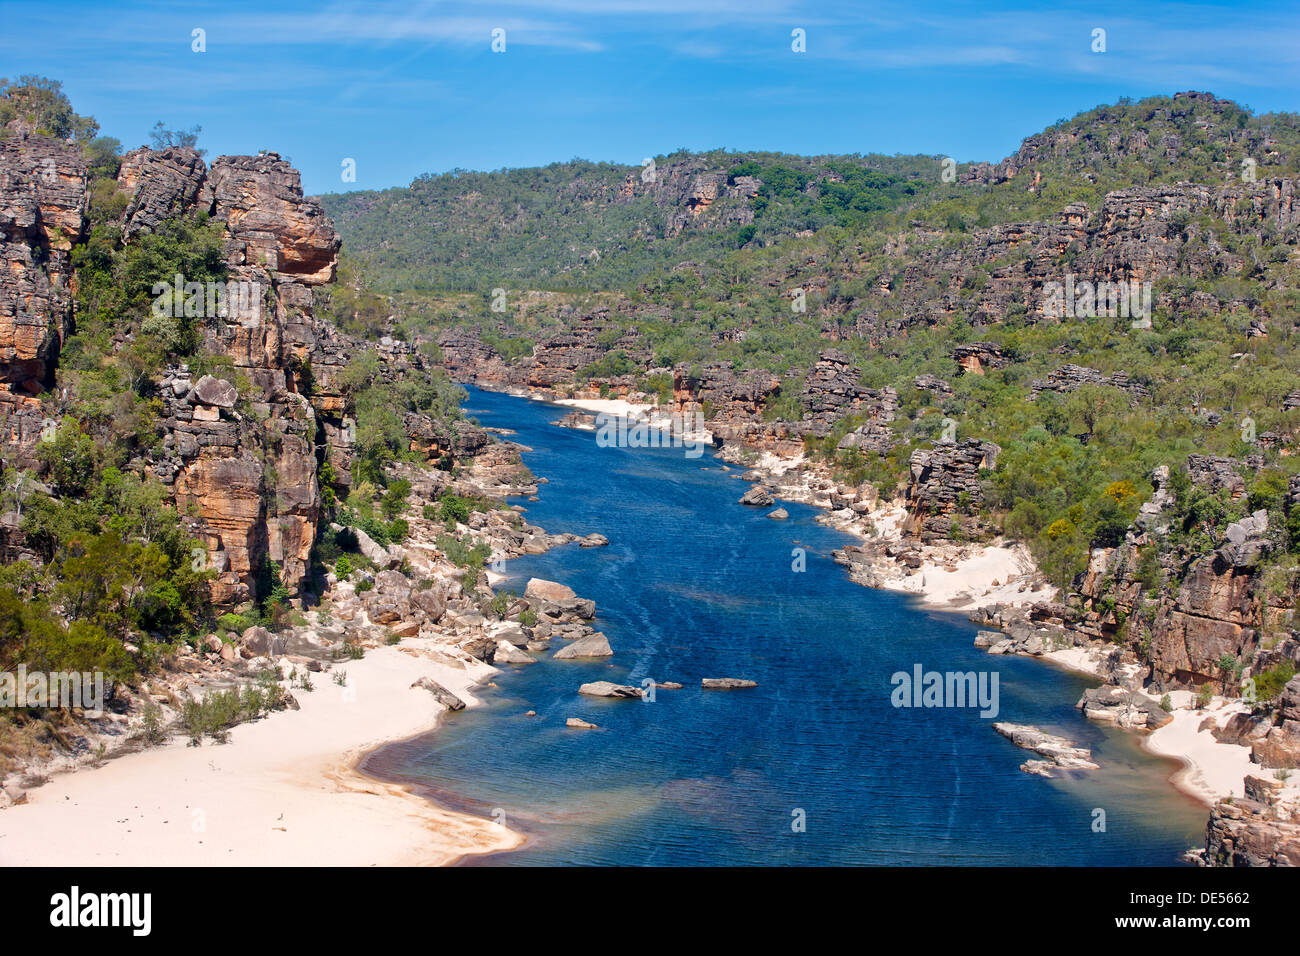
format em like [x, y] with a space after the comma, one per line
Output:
[409, 87]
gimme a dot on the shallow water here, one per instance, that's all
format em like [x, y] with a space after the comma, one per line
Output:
[695, 585]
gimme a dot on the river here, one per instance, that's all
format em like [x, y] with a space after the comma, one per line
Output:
[813, 766]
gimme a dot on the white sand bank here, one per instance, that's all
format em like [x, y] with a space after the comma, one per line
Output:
[1211, 769]
[284, 791]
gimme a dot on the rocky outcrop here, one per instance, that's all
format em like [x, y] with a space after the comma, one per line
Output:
[933, 384]
[1067, 378]
[727, 683]
[944, 492]
[1195, 609]
[241, 461]
[1060, 753]
[1278, 743]
[692, 193]
[604, 688]
[832, 391]
[260, 200]
[254, 488]
[975, 357]
[1218, 610]
[1215, 473]
[162, 184]
[1263, 829]
[1123, 707]
[42, 214]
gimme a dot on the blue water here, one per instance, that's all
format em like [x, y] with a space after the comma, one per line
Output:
[695, 585]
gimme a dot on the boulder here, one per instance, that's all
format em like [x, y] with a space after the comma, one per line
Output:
[440, 693]
[215, 391]
[780, 514]
[579, 724]
[507, 653]
[757, 497]
[595, 644]
[259, 642]
[543, 590]
[604, 688]
[726, 683]
[513, 634]
[431, 602]
[372, 549]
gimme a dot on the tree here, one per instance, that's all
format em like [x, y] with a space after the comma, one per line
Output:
[41, 103]
[162, 137]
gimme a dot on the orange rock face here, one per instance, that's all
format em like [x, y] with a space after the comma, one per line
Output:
[253, 486]
[269, 222]
[42, 213]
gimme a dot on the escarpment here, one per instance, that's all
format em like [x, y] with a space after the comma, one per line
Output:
[246, 465]
[240, 447]
[1082, 356]
[42, 215]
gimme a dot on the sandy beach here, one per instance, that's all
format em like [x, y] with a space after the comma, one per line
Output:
[1211, 770]
[991, 575]
[607, 406]
[284, 791]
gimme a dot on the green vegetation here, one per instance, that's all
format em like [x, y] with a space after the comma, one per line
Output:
[118, 567]
[42, 104]
[217, 712]
[575, 226]
[381, 438]
[1269, 684]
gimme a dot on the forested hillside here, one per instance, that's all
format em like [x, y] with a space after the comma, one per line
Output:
[868, 332]
[581, 225]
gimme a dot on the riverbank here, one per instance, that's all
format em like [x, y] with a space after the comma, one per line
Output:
[963, 577]
[388, 650]
[950, 576]
[972, 577]
[284, 791]
[694, 585]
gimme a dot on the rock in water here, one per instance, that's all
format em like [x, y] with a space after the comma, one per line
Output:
[604, 688]
[726, 683]
[757, 497]
[780, 514]
[580, 724]
[440, 693]
[593, 645]
[1124, 708]
[1059, 751]
[508, 653]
